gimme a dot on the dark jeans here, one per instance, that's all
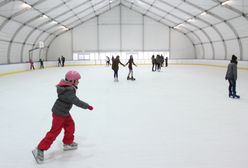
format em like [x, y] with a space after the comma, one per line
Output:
[116, 74]
[232, 86]
[153, 67]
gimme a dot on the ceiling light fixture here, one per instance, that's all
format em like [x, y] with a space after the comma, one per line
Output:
[44, 16]
[54, 22]
[178, 26]
[203, 13]
[190, 20]
[224, 3]
[25, 5]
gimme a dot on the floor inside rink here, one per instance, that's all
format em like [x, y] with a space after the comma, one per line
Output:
[180, 117]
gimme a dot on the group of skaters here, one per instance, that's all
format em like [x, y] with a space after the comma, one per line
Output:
[159, 62]
[61, 63]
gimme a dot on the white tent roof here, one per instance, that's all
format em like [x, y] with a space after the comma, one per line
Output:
[203, 21]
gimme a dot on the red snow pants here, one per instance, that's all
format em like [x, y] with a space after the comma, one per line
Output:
[58, 123]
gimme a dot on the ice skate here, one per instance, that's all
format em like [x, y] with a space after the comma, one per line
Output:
[236, 96]
[128, 78]
[72, 146]
[230, 95]
[132, 78]
[38, 155]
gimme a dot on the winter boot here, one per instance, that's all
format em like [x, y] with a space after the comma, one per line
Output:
[230, 94]
[38, 155]
[72, 146]
[128, 78]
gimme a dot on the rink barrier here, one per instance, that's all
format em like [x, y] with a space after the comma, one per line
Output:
[9, 69]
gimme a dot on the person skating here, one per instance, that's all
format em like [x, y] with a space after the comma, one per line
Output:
[115, 67]
[63, 60]
[153, 63]
[231, 76]
[166, 62]
[130, 67]
[31, 62]
[62, 119]
[107, 61]
[41, 63]
[59, 62]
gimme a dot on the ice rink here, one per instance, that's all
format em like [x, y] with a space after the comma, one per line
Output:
[180, 117]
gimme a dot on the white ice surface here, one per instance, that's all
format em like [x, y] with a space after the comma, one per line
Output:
[178, 118]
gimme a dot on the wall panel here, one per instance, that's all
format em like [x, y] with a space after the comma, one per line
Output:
[208, 51]
[109, 37]
[85, 36]
[62, 45]
[132, 37]
[245, 48]
[181, 47]
[199, 51]
[219, 50]
[3, 52]
[232, 48]
[156, 35]
[15, 56]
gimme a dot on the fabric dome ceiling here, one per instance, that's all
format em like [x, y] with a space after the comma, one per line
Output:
[202, 21]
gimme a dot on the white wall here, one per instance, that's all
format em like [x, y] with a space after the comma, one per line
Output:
[85, 36]
[121, 29]
[181, 47]
[156, 35]
[62, 45]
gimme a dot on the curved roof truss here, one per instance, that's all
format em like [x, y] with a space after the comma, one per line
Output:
[44, 20]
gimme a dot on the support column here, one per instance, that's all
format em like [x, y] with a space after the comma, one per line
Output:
[143, 33]
[169, 42]
[120, 30]
[97, 36]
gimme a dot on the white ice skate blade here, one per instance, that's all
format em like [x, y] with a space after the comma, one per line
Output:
[36, 158]
[69, 148]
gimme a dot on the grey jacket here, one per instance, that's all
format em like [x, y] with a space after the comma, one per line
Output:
[231, 72]
[66, 98]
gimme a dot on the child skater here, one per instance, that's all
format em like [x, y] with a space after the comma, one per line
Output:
[115, 67]
[231, 76]
[62, 119]
[31, 62]
[130, 67]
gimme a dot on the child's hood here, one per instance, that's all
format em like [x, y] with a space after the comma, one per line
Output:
[64, 85]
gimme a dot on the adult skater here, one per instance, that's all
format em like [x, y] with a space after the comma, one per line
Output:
[59, 62]
[158, 62]
[231, 76]
[115, 67]
[130, 67]
[166, 62]
[41, 63]
[153, 63]
[63, 60]
[62, 119]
